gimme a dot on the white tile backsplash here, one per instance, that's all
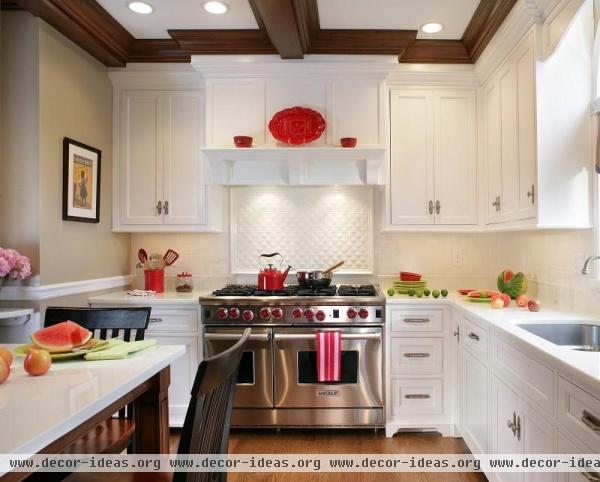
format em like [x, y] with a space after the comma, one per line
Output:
[551, 260]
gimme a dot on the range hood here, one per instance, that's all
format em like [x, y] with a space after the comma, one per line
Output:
[244, 92]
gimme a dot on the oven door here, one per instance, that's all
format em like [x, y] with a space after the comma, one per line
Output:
[295, 360]
[255, 379]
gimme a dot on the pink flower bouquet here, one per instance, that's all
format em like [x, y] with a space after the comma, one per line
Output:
[13, 265]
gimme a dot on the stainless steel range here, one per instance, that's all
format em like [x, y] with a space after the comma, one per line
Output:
[277, 382]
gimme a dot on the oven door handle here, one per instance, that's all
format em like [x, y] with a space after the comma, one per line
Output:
[345, 336]
[235, 336]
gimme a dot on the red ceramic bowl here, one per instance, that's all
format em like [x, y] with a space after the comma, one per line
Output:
[242, 141]
[408, 276]
[348, 141]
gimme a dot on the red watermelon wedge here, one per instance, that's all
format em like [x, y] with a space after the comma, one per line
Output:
[61, 337]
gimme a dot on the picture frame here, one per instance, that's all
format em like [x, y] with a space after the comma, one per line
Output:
[81, 182]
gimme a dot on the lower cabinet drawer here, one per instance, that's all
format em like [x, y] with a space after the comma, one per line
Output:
[417, 397]
[415, 356]
[476, 340]
[175, 320]
[579, 413]
[411, 320]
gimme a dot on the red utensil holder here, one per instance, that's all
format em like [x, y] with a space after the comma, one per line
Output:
[154, 280]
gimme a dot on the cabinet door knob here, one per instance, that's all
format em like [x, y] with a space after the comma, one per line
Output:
[159, 207]
[438, 207]
[166, 207]
[531, 194]
[496, 203]
[430, 207]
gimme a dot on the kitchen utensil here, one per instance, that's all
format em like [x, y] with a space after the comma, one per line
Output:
[155, 261]
[242, 141]
[143, 256]
[348, 141]
[408, 276]
[271, 279]
[333, 267]
[170, 257]
[297, 125]
[313, 279]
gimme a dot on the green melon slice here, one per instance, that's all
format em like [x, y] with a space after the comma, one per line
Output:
[61, 337]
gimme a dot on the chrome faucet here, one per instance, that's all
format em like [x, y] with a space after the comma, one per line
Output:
[587, 263]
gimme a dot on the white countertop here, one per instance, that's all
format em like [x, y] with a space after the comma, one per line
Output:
[35, 411]
[167, 298]
[505, 321]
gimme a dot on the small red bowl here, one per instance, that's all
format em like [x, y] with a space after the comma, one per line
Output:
[348, 141]
[408, 276]
[465, 292]
[242, 141]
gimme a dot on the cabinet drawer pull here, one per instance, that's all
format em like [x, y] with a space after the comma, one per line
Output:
[473, 336]
[417, 396]
[591, 476]
[416, 320]
[417, 355]
[590, 421]
[155, 320]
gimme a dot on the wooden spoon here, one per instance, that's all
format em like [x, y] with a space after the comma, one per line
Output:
[333, 267]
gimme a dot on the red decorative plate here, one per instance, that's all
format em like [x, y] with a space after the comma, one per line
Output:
[297, 125]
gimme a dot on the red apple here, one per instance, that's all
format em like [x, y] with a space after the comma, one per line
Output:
[534, 305]
[522, 301]
[37, 362]
[7, 355]
[497, 302]
[505, 298]
[4, 371]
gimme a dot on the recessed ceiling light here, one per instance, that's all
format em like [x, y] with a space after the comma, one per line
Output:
[216, 8]
[140, 7]
[432, 27]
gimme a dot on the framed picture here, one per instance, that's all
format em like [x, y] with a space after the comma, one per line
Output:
[81, 182]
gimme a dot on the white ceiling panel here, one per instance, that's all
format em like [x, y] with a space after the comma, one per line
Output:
[178, 14]
[454, 15]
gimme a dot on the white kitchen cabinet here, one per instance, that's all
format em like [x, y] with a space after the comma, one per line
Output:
[518, 429]
[473, 401]
[566, 444]
[183, 372]
[161, 178]
[433, 160]
[536, 135]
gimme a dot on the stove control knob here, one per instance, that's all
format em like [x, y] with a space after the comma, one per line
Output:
[265, 313]
[309, 313]
[320, 315]
[363, 313]
[248, 315]
[351, 313]
[277, 313]
[234, 313]
[297, 312]
[222, 313]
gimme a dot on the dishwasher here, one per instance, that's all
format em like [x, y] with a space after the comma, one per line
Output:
[17, 324]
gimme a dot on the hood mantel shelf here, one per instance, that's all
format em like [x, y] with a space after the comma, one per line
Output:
[296, 166]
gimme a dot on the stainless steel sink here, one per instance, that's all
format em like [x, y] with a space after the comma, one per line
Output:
[576, 336]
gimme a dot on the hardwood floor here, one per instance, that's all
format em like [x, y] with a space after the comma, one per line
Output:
[342, 441]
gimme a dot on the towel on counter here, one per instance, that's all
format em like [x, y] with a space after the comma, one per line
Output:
[119, 349]
[329, 356]
[140, 293]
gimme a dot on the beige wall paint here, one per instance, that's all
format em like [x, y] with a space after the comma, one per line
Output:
[67, 93]
[19, 179]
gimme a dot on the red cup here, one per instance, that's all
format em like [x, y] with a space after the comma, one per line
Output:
[154, 280]
[348, 141]
[242, 141]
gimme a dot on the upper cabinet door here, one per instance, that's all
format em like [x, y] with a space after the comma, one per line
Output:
[411, 170]
[140, 157]
[184, 183]
[455, 158]
[493, 161]
[509, 143]
[525, 71]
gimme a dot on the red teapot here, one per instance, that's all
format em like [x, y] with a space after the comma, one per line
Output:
[271, 279]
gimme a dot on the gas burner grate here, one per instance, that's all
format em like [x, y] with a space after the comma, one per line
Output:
[235, 290]
[360, 290]
[329, 291]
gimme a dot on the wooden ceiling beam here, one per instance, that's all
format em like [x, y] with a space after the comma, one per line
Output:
[426, 51]
[485, 22]
[157, 50]
[223, 42]
[278, 20]
[88, 25]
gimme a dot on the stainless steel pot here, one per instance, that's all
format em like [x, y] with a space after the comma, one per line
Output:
[316, 279]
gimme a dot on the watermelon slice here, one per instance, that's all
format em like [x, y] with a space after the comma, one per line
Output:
[61, 337]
